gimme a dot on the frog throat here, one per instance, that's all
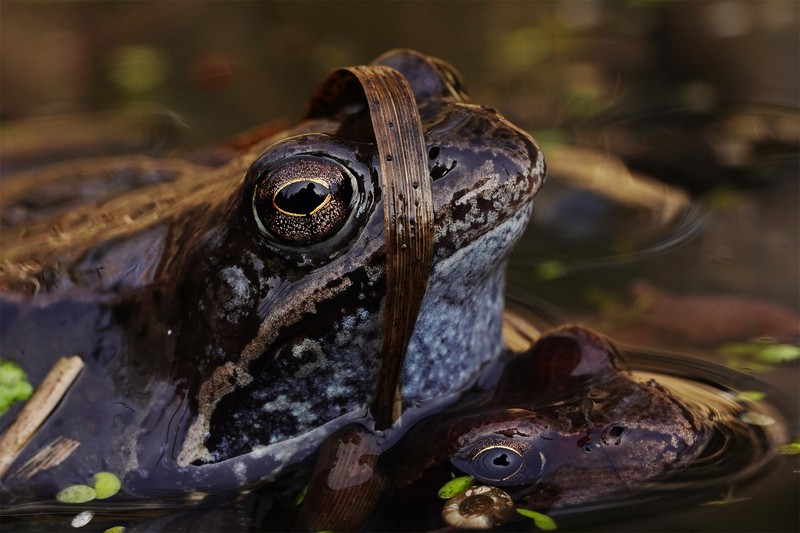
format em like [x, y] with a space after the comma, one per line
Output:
[458, 331]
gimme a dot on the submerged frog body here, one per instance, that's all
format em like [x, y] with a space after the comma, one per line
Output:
[567, 424]
[230, 318]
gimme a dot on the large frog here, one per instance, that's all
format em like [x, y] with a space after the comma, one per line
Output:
[230, 318]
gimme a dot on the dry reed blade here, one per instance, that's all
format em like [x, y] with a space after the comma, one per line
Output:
[407, 207]
[408, 214]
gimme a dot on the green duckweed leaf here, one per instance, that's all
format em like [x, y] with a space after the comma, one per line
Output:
[301, 496]
[747, 366]
[115, 529]
[551, 138]
[137, 69]
[542, 521]
[106, 485]
[770, 353]
[550, 270]
[727, 499]
[603, 300]
[737, 349]
[792, 448]
[14, 386]
[76, 494]
[455, 486]
[750, 395]
[723, 198]
[724, 501]
[777, 353]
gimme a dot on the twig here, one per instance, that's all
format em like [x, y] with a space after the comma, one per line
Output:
[38, 408]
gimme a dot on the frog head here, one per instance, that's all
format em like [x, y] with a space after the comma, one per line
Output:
[285, 284]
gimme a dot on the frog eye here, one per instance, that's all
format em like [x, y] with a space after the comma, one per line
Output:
[303, 200]
[496, 463]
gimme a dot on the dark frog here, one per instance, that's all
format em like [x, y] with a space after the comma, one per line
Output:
[567, 424]
[229, 316]
[573, 416]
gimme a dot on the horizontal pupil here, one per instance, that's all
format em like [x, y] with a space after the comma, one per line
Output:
[301, 197]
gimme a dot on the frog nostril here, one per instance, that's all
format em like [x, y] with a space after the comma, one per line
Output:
[439, 171]
[613, 432]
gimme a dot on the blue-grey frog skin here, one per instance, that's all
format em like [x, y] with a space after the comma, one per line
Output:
[230, 317]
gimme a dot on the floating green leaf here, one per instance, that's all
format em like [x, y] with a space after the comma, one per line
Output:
[724, 501]
[106, 485]
[777, 353]
[762, 351]
[727, 499]
[792, 448]
[455, 486]
[522, 48]
[137, 69]
[748, 366]
[76, 494]
[542, 521]
[301, 496]
[750, 395]
[723, 198]
[551, 139]
[115, 529]
[550, 270]
[737, 349]
[14, 386]
[602, 299]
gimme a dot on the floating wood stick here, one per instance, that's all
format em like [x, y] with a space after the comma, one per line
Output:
[52, 455]
[38, 408]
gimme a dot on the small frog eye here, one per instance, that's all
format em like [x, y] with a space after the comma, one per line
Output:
[496, 463]
[303, 200]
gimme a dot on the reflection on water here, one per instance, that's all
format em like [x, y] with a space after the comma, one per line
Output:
[730, 474]
[595, 213]
[748, 432]
[745, 432]
[737, 451]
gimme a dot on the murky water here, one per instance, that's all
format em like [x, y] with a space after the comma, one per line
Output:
[682, 277]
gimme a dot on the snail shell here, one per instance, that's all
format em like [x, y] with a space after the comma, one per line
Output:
[481, 507]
